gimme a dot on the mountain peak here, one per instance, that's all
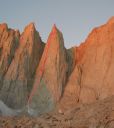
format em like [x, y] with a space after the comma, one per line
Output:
[28, 31]
[30, 27]
[111, 20]
[54, 29]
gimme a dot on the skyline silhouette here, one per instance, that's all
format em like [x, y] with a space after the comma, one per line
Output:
[74, 18]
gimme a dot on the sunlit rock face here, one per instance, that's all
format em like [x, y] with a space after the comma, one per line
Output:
[46, 77]
[54, 67]
[98, 64]
[92, 77]
[20, 74]
[9, 40]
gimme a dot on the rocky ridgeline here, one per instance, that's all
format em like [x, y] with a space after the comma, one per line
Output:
[69, 77]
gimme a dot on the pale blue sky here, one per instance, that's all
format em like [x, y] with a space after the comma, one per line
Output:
[75, 18]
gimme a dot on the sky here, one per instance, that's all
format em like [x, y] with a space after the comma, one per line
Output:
[74, 18]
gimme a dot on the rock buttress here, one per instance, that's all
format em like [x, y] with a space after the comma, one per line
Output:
[54, 66]
[20, 75]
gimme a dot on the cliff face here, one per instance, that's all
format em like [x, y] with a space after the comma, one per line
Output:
[98, 69]
[50, 76]
[20, 74]
[92, 78]
[53, 66]
[9, 40]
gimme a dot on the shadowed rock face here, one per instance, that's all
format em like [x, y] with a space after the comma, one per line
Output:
[19, 77]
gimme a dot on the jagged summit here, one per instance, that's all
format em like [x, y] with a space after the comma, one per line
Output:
[30, 28]
[82, 74]
[50, 75]
[54, 28]
[55, 37]
[55, 31]
[29, 35]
